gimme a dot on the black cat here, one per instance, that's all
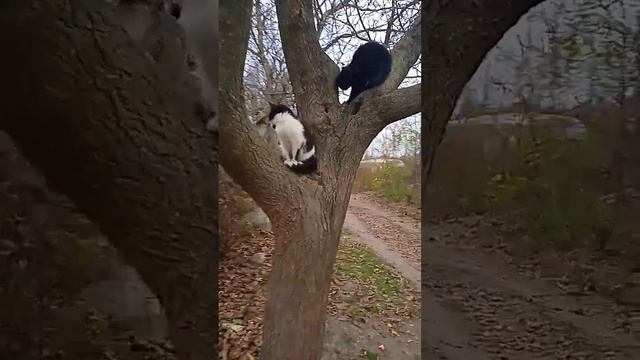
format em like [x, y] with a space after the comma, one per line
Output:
[369, 68]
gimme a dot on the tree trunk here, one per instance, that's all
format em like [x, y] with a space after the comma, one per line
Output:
[299, 283]
[116, 132]
[307, 236]
[307, 223]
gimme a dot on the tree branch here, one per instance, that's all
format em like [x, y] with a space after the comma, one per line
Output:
[245, 155]
[397, 105]
[337, 38]
[405, 53]
[323, 17]
[311, 71]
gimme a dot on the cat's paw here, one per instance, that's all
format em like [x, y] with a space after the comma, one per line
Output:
[288, 162]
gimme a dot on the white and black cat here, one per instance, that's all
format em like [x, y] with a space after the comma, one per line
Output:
[369, 68]
[296, 144]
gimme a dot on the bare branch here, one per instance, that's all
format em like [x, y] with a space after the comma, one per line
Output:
[322, 18]
[405, 53]
[361, 20]
[398, 104]
[311, 71]
[390, 20]
[246, 157]
[337, 38]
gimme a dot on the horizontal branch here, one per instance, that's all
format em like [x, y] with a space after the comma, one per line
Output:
[397, 104]
[339, 37]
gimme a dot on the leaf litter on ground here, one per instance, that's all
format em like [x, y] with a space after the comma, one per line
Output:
[362, 287]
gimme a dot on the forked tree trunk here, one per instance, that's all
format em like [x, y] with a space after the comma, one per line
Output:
[307, 237]
[116, 133]
[307, 213]
[299, 282]
[307, 222]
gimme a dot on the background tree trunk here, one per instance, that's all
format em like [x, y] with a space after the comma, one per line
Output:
[457, 35]
[116, 132]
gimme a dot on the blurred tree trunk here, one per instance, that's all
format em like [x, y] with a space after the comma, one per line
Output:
[457, 37]
[116, 132]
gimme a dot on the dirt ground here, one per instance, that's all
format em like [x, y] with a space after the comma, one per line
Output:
[482, 299]
[373, 312]
[65, 293]
[479, 304]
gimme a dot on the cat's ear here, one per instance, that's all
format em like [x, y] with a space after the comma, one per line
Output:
[271, 105]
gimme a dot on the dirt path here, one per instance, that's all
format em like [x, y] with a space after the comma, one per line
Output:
[479, 308]
[360, 229]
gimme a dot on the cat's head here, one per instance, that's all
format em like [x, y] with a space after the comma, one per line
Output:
[270, 114]
[275, 109]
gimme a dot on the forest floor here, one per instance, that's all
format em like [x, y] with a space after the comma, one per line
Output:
[373, 310]
[483, 301]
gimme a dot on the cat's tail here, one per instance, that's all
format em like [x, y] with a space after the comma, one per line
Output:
[306, 167]
[308, 160]
[303, 156]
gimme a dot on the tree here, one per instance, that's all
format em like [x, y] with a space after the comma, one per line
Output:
[307, 213]
[114, 129]
[266, 77]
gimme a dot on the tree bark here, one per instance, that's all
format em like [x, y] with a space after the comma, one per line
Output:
[457, 35]
[116, 132]
[306, 246]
